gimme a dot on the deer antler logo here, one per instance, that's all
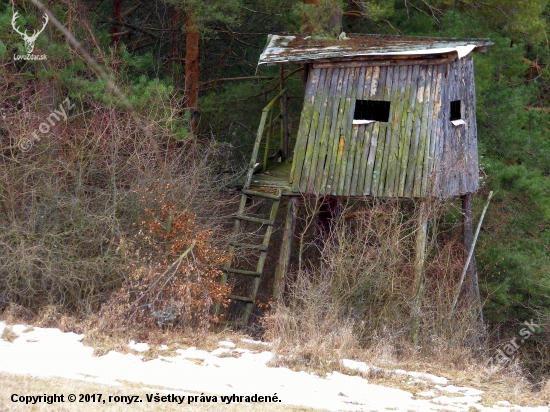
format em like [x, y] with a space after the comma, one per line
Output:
[29, 40]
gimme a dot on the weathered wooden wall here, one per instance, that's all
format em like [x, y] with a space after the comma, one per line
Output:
[457, 170]
[398, 158]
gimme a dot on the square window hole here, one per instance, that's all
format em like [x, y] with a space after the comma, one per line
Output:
[376, 110]
[455, 110]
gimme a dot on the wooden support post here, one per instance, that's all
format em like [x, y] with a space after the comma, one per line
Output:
[284, 124]
[286, 246]
[472, 286]
[419, 260]
[472, 281]
[468, 260]
[268, 139]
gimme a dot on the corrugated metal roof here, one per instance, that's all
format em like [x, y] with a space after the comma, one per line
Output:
[283, 49]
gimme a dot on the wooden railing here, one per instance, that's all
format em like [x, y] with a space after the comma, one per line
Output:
[267, 113]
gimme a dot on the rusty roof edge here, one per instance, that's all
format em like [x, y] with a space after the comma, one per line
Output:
[395, 36]
[277, 45]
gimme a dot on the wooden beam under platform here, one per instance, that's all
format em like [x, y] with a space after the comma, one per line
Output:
[286, 246]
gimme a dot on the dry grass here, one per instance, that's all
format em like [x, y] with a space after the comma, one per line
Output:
[9, 335]
[357, 292]
[353, 299]
[26, 385]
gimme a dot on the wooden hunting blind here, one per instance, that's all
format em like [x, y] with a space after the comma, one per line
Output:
[383, 116]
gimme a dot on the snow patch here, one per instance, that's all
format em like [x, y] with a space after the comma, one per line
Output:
[461, 390]
[427, 394]
[355, 366]
[220, 352]
[435, 379]
[256, 342]
[50, 352]
[138, 347]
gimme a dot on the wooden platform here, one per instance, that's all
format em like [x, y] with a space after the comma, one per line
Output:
[276, 176]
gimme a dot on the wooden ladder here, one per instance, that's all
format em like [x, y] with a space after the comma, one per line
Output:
[254, 275]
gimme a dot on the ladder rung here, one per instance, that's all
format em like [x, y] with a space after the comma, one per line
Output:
[243, 272]
[241, 298]
[255, 220]
[261, 194]
[249, 246]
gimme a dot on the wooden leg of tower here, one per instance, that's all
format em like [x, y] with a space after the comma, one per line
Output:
[286, 246]
[472, 282]
[467, 239]
[419, 261]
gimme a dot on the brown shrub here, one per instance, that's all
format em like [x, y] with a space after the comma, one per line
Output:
[174, 280]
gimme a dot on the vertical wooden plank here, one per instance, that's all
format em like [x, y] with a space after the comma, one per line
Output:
[402, 133]
[360, 168]
[428, 99]
[285, 133]
[468, 159]
[382, 93]
[310, 147]
[359, 135]
[470, 156]
[344, 124]
[326, 141]
[446, 125]
[418, 116]
[446, 152]
[347, 171]
[338, 144]
[346, 133]
[314, 145]
[433, 131]
[377, 85]
[472, 130]
[395, 126]
[455, 143]
[443, 123]
[408, 131]
[390, 93]
[332, 141]
[303, 131]
[461, 169]
[457, 135]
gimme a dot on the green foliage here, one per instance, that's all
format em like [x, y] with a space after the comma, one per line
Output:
[377, 10]
[206, 12]
[3, 50]
[321, 19]
[523, 19]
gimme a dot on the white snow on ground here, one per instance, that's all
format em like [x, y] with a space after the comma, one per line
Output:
[50, 352]
[138, 347]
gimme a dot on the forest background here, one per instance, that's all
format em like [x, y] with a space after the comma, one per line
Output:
[158, 134]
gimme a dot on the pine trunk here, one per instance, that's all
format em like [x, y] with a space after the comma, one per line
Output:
[192, 69]
[116, 26]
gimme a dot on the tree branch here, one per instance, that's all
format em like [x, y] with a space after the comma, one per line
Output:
[230, 79]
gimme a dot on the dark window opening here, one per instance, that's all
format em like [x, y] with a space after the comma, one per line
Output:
[372, 110]
[455, 110]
